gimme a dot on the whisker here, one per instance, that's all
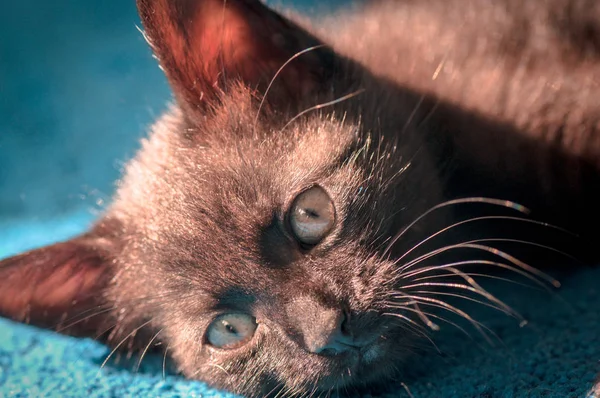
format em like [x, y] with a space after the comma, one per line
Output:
[64, 327]
[145, 36]
[323, 105]
[464, 297]
[164, 364]
[443, 305]
[407, 390]
[314, 389]
[112, 326]
[412, 115]
[329, 392]
[347, 393]
[121, 342]
[293, 57]
[478, 275]
[425, 270]
[277, 385]
[495, 202]
[475, 288]
[86, 311]
[284, 389]
[411, 325]
[407, 327]
[393, 305]
[483, 292]
[419, 332]
[483, 218]
[529, 243]
[431, 325]
[214, 365]
[430, 113]
[489, 249]
[500, 307]
[137, 368]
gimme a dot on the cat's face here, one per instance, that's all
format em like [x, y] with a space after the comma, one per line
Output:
[258, 243]
[279, 234]
[251, 242]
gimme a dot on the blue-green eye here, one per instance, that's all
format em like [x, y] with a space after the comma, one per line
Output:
[312, 216]
[231, 330]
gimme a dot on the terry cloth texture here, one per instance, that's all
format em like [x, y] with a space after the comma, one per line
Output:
[78, 87]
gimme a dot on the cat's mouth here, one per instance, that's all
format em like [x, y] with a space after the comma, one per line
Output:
[371, 362]
[360, 349]
[354, 367]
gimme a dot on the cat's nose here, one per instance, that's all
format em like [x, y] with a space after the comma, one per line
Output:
[325, 336]
[322, 329]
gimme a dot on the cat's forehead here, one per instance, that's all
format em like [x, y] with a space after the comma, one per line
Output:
[239, 160]
[305, 150]
[236, 135]
[275, 146]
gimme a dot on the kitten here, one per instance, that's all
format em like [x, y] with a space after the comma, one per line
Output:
[267, 233]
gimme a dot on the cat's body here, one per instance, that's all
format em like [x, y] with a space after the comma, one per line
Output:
[244, 207]
[527, 73]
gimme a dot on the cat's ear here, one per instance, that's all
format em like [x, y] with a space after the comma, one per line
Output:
[61, 286]
[205, 46]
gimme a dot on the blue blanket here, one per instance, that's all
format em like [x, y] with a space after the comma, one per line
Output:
[74, 99]
[556, 355]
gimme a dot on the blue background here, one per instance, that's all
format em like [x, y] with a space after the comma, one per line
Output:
[78, 88]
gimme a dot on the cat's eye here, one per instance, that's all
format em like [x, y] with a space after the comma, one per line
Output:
[229, 331]
[312, 216]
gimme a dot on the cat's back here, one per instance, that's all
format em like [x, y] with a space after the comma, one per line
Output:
[533, 64]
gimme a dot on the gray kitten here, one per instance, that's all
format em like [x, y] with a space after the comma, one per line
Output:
[275, 229]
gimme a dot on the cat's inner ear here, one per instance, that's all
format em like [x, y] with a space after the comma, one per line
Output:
[61, 286]
[206, 46]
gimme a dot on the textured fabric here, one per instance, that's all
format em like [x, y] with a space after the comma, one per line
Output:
[556, 355]
[74, 99]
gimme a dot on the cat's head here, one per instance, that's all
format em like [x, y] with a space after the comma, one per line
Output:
[249, 234]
